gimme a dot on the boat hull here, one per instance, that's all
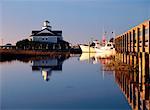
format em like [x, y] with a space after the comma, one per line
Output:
[87, 49]
[105, 53]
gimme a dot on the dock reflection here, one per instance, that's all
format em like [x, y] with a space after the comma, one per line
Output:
[137, 94]
[134, 84]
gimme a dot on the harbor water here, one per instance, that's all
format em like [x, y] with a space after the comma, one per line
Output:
[63, 82]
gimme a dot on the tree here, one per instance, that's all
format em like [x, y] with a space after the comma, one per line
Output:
[23, 44]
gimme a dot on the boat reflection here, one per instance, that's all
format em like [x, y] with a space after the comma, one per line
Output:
[86, 56]
[98, 59]
[47, 65]
[94, 58]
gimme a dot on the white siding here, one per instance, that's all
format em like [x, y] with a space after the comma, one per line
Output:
[49, 62]
[52, 39]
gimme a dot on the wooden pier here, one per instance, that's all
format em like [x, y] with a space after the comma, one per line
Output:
[133, 48]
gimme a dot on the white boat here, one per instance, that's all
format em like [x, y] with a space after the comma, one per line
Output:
[105, 51]
[87, 48]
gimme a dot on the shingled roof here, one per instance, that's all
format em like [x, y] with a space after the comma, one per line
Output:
[46, 32]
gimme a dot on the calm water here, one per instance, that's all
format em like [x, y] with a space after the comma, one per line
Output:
[59, 83]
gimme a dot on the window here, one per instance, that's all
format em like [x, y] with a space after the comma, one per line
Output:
[42, 38]
[46, 38]
[108, 44]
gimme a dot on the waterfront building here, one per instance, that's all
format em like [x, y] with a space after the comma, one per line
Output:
[46, 34]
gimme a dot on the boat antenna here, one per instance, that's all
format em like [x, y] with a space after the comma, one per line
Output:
[104, 37]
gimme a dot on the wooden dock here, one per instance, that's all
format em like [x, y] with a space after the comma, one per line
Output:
[133, 48]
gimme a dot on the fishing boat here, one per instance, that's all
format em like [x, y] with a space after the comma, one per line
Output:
[89, 48]
[105, 51]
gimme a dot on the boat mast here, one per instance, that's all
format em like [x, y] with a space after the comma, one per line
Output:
[104, 37]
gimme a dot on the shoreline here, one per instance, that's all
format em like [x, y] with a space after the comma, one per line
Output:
[30, 52]
[13, 54]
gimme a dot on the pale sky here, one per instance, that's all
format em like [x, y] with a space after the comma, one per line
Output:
[80, 20]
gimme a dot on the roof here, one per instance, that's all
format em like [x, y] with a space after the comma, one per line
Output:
[46, 32]
[47, 21]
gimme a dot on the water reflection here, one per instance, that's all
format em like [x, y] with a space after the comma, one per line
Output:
[137, 94]
[94, 58]
[86, 56]
[47, 65]
[135, 84]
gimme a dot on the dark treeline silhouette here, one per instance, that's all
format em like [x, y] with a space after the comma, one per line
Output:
[25, 44]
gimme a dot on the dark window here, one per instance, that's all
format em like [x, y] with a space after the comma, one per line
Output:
[42, 38]
[92, 44]
[108, 44]
[46, 38]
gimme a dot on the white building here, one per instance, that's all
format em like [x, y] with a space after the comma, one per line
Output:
[46, 34]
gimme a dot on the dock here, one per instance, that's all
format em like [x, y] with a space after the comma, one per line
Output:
[133, 48]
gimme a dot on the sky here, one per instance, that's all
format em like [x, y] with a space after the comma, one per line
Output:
[80, 20]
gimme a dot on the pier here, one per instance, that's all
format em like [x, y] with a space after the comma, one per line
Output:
[133, 48]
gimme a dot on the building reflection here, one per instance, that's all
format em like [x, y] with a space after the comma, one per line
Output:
[48, 65]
